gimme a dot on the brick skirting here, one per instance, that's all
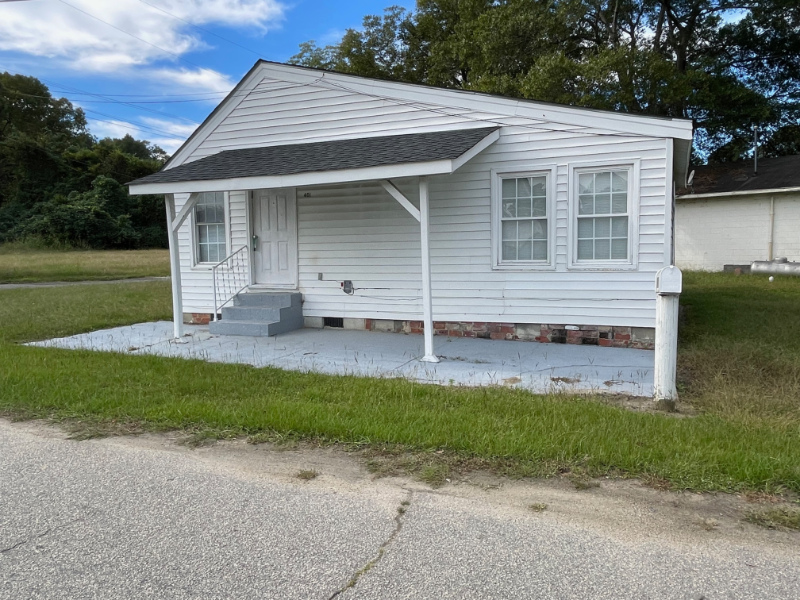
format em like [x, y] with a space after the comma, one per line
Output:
[593, 335]
[197, 318]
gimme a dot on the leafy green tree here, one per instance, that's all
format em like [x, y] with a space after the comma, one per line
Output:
[98, 218]
[52, 169]
[726, 64]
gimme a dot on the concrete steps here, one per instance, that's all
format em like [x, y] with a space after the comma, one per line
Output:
[260, 314]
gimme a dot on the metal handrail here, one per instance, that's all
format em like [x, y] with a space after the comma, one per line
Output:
[235, 277]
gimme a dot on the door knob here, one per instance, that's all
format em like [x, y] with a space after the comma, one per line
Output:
[255, 243]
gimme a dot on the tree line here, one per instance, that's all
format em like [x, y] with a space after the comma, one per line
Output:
[59, 185]
[729, 65]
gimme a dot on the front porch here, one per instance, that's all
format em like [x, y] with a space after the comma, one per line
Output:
[540, 368]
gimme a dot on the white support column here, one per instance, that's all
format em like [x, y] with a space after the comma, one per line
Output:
[427, 302]
[175, 267]
[669, 284]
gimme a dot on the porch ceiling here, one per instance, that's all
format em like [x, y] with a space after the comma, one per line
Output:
[335, 161]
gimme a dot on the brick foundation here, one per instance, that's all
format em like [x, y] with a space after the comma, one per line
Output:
[197, 318]
[592, 335]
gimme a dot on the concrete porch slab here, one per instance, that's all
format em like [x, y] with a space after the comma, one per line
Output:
[537, 367]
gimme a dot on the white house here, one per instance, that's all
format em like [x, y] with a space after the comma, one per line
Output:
[736, 213]
[399, 207]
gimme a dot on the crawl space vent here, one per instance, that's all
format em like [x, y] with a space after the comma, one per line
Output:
[334, 322]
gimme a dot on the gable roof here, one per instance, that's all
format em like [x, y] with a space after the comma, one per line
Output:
[335, 155]
[738, 177]
[678, 128]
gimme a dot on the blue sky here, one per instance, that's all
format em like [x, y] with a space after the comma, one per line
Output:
[159, 74]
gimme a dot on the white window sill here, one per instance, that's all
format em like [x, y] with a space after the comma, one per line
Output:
[533, 266]
[602, 266]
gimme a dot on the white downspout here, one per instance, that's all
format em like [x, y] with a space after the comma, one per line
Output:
[174, 267]
[427, 301]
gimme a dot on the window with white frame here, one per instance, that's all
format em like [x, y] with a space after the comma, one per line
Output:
[209, 223]
[603, 215]
[523, 219]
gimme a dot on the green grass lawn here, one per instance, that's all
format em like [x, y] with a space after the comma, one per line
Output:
[20, 264]
[733, 441]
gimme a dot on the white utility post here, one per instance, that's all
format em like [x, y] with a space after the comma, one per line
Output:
[174, 267]
[669, 284]
[427, 302]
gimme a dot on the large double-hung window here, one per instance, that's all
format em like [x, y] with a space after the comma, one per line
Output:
[603, 217]
[523, 219]
[209, 224]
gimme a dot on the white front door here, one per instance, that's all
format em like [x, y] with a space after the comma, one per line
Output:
[274, 238]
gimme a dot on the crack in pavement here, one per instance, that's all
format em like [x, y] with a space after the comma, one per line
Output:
[398, 519]
[40, 535]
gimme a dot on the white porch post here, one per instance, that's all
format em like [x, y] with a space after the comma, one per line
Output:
[669, 284]
[174, 267]
[427, 302]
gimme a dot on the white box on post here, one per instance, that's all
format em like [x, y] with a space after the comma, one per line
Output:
[669, 284]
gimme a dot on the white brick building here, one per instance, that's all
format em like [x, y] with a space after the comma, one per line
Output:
[732, 216]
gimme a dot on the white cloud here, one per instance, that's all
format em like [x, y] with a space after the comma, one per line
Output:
[55, 30]
[171, 127]
[206, 80]
[166, 134]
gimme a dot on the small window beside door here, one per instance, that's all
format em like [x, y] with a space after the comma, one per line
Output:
[209, 223]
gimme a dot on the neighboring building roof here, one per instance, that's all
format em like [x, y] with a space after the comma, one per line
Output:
[738, 177]
[335, 155]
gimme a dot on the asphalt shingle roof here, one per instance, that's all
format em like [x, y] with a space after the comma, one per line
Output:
[773, 174]
[324, 156]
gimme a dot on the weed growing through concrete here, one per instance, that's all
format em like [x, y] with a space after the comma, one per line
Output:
[708, 524]
[538, 507]
[584, 483]
[307, 474]
[775, 518]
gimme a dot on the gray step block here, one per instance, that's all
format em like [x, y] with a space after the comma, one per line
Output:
[288, 322]
[268, 299]
[260, 314]
[238, 328]
[255, 314]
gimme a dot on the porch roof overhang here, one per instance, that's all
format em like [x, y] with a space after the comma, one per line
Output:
[329, 162]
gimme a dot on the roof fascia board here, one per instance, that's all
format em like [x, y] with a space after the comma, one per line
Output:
[438, 167]
[476, 149]
[739, 193]
[619, 122]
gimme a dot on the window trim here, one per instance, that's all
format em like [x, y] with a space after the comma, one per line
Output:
[632, 263]
[550, 172]
[196, 265]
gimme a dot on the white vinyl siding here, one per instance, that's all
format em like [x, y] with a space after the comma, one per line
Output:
[358, 232]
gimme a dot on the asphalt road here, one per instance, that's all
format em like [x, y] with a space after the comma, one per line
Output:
[119, 519]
